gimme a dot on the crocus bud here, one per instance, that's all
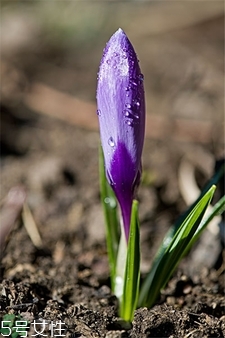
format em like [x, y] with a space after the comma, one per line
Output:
[121, 113]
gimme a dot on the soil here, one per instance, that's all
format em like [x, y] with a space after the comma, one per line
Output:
[64, 276]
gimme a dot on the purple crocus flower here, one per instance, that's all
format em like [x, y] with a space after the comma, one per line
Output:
[121, 113]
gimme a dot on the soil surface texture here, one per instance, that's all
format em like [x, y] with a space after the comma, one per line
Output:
[54, 266]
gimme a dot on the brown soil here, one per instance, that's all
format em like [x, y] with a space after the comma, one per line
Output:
[69, 275]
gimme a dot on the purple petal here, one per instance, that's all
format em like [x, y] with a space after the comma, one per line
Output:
[121, 178]
[121, 112]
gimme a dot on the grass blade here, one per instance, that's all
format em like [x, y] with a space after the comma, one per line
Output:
[132, 270]
[217, 209]
[167, 259]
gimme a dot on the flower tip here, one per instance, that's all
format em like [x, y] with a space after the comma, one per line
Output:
[119, 30]
[119, 33]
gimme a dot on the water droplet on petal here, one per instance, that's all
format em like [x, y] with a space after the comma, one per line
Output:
[141, 77]
[137, 103]
[136, 116]
[98, 112]
[131, 114]
[111, 142]
[128, 105]
[130, 123]
[134, 83]
[115, 54]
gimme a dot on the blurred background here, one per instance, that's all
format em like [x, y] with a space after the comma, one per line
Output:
[50, 53]
[51, 48]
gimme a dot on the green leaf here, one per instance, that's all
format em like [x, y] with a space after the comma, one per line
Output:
[132, 269]
[109, 205]
[168, 237]
[217, 209]
[172, 251]
[213, 181]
